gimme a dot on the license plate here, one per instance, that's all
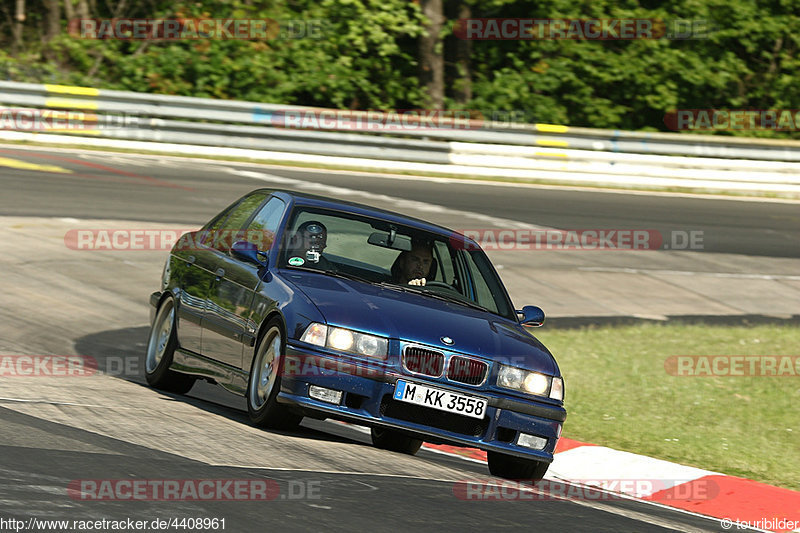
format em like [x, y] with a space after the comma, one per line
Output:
[443, 400]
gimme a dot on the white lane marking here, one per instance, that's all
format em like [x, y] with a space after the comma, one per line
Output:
[261, 176]
[386, 175]
[47, 489]
[135, 161]
[395, 202]
[733, 275]
[488, 183]
[361, 429]
[450, 454]
[337, 472]
[20, 475]
[594, 464]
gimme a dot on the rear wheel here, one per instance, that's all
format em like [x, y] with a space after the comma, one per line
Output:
[160, 351]
[388, 439]
[510, 467]
[265, 382]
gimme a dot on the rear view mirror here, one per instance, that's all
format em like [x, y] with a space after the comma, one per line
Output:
[385, 240]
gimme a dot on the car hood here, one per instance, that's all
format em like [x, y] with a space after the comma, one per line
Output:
[414, 317]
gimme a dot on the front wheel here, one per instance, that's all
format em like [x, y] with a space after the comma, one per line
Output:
[388, 439]
[510, 467]
[265, 382]
[160, 351]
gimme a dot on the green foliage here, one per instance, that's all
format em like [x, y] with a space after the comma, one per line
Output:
[749, 60]
[365, 58]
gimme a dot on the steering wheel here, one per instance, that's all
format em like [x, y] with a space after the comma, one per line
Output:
[439, 284]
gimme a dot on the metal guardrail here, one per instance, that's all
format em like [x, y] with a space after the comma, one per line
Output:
[519, 151]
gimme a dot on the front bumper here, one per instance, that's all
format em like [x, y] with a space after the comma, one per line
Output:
[368, 400]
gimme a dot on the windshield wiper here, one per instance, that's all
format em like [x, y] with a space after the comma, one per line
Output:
[428, 292]
[446, 298]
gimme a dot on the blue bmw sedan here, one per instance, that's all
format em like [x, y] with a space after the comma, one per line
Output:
[309, 306]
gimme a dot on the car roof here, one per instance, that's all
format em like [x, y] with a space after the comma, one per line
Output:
[313, 200]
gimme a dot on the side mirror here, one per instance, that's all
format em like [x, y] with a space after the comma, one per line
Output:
[247, 251]
[531, 316]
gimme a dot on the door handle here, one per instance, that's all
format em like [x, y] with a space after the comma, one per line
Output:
[220, 272]
[191, 259]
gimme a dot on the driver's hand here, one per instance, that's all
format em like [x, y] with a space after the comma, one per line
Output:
[418, 281]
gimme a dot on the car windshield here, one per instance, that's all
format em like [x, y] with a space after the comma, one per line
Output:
[392, 255]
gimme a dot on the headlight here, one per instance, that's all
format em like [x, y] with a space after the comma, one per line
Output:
[371, 346]
[345, 340]
[341, 339]
[514, 378]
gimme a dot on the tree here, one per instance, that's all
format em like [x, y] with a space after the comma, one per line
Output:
[19, 21]
[431, 54]
[462, 59]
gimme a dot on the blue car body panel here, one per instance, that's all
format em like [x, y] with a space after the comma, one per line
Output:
[299, 298]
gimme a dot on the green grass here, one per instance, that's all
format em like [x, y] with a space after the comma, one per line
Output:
[619, 394]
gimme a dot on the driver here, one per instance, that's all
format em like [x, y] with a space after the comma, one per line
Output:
[414, 266]
[307, 244]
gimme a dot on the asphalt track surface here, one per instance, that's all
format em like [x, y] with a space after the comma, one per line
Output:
[111, 187]
[114, 427]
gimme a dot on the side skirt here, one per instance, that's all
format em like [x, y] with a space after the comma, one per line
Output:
[230, 378]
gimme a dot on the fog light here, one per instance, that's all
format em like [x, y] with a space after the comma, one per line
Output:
[531, 441]
[325, 395]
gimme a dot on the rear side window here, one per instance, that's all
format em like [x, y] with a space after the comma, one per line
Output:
[445, 272]
[228, 232]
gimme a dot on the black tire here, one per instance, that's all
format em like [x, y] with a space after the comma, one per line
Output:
[388, 439]
[160, 351]
[264, 381]
[510, 467]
